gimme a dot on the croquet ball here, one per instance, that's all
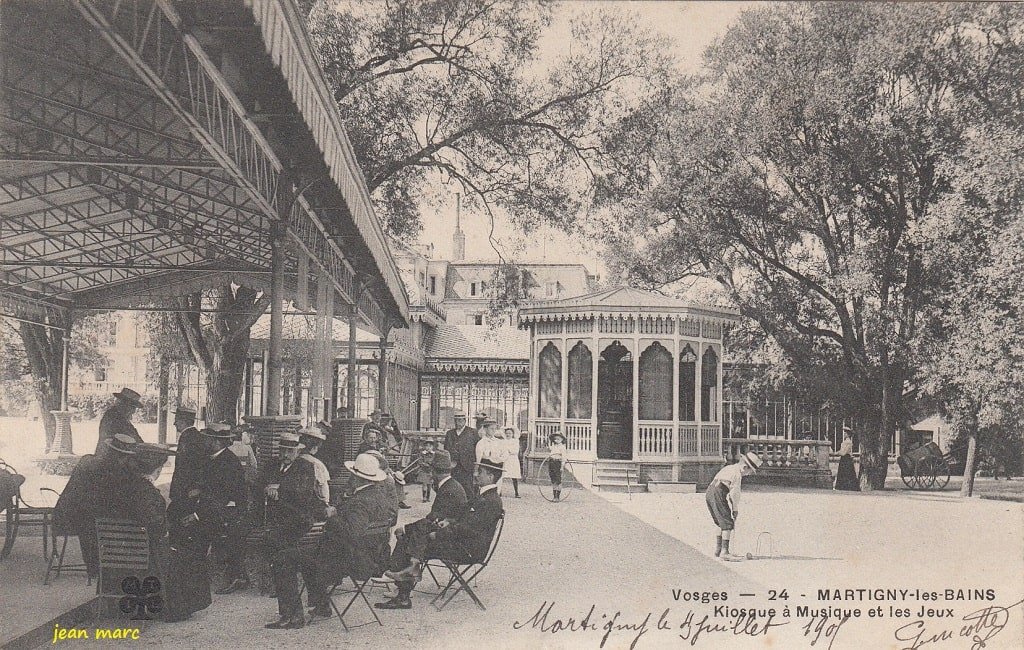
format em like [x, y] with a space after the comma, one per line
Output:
[750, 556]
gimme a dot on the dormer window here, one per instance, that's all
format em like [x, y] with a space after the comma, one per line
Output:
[433, 285]
[472, 288]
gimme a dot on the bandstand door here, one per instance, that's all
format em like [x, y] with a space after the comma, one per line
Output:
[615, 403]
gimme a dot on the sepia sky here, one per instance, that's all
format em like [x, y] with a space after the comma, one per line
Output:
[691, 27]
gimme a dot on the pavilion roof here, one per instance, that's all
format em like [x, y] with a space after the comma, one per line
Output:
[620, 302]
[147, 146]
[477, 342]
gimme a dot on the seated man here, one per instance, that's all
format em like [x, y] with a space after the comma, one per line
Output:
[355, 543]
[463, 540]
[449, 503]
[293, 505]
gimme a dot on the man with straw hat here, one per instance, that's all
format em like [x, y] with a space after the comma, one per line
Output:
[117, 419]
[356, 541]
[464, 539]
[723, 498]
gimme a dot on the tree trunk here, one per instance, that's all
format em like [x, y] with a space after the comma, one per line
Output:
[874, 454]
[224, 381]
[967, 489]
[44, 348]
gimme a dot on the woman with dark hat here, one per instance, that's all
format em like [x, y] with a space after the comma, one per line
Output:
[117, 419]
[556, 456]
[846, 475]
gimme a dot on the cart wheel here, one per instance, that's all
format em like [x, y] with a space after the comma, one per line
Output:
[928, 471]
[544, 481]
[908, 479]
[918, 479]
[942, 474]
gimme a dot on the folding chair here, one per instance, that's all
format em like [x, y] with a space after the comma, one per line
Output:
[382, 532]
[122, 544]
[58, 556]
[465, 572]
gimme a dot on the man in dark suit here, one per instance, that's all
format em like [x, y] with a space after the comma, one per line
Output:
[118, 418]
[221, 505]
[293, 505]
[463, 540]
[356, 540]
[461, 444]
[191, 453]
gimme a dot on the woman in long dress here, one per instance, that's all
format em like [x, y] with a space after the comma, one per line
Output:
[846, 475]
[513, 470]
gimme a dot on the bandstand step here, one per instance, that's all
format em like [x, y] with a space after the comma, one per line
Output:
[669, 486]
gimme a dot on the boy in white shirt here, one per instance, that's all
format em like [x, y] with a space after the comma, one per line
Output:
[723, 498]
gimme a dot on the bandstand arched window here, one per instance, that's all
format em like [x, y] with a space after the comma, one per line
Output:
[687, 384]
[581, 386]
[655, 383]
[709, 386]
[550, 382]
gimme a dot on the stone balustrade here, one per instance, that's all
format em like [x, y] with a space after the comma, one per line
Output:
[785, 462]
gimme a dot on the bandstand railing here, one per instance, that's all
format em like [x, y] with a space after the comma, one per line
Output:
[654, 439]
[657, 439]
[782, 454]
[579, 439]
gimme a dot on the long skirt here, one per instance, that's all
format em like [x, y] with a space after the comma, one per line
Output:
[718, 505]
[846, 475]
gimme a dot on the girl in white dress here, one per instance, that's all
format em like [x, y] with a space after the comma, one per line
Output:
[513, 470]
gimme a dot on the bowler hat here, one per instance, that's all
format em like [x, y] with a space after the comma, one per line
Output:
[367, 467]
[491, 465]
[376, 412]
[130, 396]
[313, 432]
[442, 461]
[220, 430]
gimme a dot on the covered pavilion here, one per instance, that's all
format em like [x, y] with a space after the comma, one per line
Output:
[632, 380]
[150, 149]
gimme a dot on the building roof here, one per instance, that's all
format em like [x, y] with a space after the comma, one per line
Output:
[620, 301]
[477, 342]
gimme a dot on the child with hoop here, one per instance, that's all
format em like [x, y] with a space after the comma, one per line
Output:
[556, 456]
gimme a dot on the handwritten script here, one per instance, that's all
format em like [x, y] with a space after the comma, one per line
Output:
[977, 628]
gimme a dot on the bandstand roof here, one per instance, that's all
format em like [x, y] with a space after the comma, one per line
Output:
[620, 302]
[146, 146]
[476, 348]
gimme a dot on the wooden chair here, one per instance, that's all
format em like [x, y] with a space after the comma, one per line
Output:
[122, 545]
[21, 514]
[58, 556]
[465, 572]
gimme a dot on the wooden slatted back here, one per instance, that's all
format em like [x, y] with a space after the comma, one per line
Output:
[122, 544]
[312, 537]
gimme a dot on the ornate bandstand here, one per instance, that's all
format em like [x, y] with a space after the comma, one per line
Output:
[633, 380]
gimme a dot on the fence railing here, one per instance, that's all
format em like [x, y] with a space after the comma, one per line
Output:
[782, 454]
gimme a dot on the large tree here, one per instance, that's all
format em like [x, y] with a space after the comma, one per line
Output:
[798, 173]
[36, 351]
[483, 93]
[211, 330]
[975, 335]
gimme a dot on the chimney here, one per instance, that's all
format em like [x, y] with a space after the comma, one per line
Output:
[458, 239]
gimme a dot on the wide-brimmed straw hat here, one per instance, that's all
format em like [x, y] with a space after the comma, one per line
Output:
[185, 412]
[291, 441]
[752, 460]
[130, 396]
[556, 434]
[121, 443]
[367, 467]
